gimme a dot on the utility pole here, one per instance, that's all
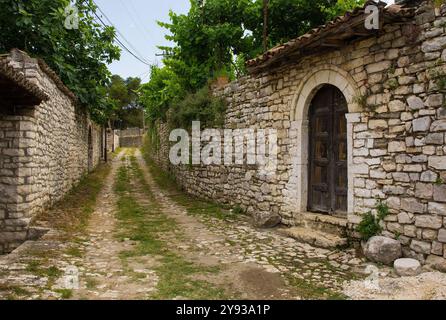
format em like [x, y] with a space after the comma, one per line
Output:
[265, 24]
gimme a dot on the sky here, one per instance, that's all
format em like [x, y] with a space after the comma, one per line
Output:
[136, 21]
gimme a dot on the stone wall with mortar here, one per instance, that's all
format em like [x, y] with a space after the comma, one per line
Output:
[395, 85]
[44, 152]
[131, 137]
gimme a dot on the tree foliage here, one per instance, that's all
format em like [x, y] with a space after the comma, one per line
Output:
[124, 94]
[78, 56]
[200, 106]
[216, 37]
[163, 89]
[340, 7]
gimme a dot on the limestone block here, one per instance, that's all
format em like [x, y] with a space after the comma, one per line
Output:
[407, 267]
[428, 176]
[437, 208]
[440, 193]
[442, 235]
[424, 190]
[415, 103]
[435, 138]
[397, 146]
[421, 124]
[437, 162]
[412, 205]
[439, 125]
[421, 246]
[383, 250]
[428, 221]
[435, 44]
[434, 100]
[396, 106]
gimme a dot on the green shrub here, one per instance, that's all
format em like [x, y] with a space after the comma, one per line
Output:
[200, 106]
[238, 210]
[383, 210]
[370, 225]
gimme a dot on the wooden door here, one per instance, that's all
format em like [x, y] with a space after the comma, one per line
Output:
[328, 152]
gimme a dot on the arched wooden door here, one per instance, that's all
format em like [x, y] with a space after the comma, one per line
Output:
[328, 152]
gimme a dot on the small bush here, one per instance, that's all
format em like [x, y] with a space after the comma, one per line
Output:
[370, 225]
[200, 106]
[383, 210]
[238, 210]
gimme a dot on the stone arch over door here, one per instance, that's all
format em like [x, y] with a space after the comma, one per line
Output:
[309, 86]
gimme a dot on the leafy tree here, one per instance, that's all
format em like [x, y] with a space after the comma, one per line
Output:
[341, 7]
[163, 89]
[207, 39]
[124, 95]
[200, 106]
[216, 37]
[79, 57]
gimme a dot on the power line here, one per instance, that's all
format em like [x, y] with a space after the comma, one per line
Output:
[133, 14]
[120, 33]
[123, 46]
[140, 56]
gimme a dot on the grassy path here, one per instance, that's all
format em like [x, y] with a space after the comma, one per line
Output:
[128, 232]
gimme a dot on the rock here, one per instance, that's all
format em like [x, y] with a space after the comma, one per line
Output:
[440, 193]
[421, 246]
[437, 162]
[378, 124]
[434, 44]
[436, 263]
[379, 66]
[267, 220]
[434, 138]
[383, 250]
[412, 205]
[397, 105]
[421, 124]
[397, 146]
[407, 267]
[415, 103]
[437, 248]
[437, 208]
[439, 125]
[428, 176]
[442, 235]
[434, 100]
[424, 190]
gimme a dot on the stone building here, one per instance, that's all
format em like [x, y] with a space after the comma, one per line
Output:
[47, 143]
[361, 117]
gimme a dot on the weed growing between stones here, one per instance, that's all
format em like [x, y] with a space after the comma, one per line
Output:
[65, 293]
[146, 224]
[370, 224]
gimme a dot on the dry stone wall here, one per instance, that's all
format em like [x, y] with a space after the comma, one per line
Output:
[395, 86]
[130, 138]
[44, 152]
